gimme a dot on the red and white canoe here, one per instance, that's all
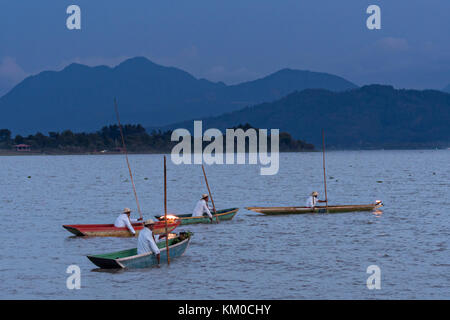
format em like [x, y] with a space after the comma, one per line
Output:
[108, 230]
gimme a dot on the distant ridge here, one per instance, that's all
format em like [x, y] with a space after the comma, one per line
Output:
[447, 89]
[80, 97]
[374, 116]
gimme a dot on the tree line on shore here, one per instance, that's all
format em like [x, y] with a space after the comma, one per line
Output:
[108, 139]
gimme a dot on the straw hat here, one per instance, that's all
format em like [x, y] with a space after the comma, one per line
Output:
[204, 196]
[149, 221]
[315, 193]
[126, 210]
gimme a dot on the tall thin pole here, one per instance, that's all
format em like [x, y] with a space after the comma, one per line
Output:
[324, 174]
[126, 156]
[209, 191]
[165, 210]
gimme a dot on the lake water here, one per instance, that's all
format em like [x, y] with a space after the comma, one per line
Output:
[322, 256]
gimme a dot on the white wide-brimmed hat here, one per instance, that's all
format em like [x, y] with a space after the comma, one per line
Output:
[314, 193]
[126, 210]
[149, 221]
[204, 196]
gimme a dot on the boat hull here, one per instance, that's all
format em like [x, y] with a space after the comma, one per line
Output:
[222, 215]
[108, 230]
[321, 209]
[131, 260]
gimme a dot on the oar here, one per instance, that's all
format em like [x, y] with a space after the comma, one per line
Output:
[165, 210]
[126, 156]
[209, 191]
[324, 175]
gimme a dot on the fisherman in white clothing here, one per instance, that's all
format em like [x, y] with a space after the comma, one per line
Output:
[124, 220]
[312, 200]
[202, 207]
[146, 241]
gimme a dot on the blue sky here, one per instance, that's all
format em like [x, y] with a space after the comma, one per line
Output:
[234, 41]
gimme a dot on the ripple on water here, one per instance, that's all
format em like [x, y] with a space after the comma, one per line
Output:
[251, 257]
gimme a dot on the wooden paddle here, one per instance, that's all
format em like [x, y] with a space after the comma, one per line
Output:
[209, 191]
[126, 156]
[165, 210]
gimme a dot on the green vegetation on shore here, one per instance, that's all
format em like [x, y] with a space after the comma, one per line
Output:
[108, 140]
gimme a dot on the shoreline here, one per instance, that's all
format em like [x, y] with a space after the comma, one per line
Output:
[87, 153]
[21, 153]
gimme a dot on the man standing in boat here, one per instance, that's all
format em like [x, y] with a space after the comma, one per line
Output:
[202, 207]
[312, 200]
[146, 241]
[124, 220]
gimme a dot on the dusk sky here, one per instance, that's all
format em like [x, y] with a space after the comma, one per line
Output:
[234, 41]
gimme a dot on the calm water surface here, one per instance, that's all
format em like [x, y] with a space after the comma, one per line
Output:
[251, 257]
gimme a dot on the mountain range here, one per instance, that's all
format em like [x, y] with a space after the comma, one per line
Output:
[374, 116]
[80, 98]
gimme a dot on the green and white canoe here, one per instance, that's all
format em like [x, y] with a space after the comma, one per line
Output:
[222, 215]
[131, 260]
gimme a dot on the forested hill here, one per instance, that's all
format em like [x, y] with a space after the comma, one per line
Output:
[80, 98]
[374, 116]
[108, 140]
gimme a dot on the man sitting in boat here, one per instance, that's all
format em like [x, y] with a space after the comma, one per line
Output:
[202, 207]
[312, 200]
[146, 241]
[124, 220]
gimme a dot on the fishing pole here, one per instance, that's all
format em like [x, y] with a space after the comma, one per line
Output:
[126, 156]
[165, 210]
[324, 175]
[209, 191]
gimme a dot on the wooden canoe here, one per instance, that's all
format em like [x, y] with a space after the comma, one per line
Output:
[225, 214]
[131, 260]
[108, 230]
[319, 209]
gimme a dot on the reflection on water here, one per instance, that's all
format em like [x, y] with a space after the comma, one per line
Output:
[377, 212]
[251, 257]
[108, 270]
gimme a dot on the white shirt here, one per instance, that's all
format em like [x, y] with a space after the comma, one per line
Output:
[123, 221]
[201, 208]
[311, 202]
[146, 242]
